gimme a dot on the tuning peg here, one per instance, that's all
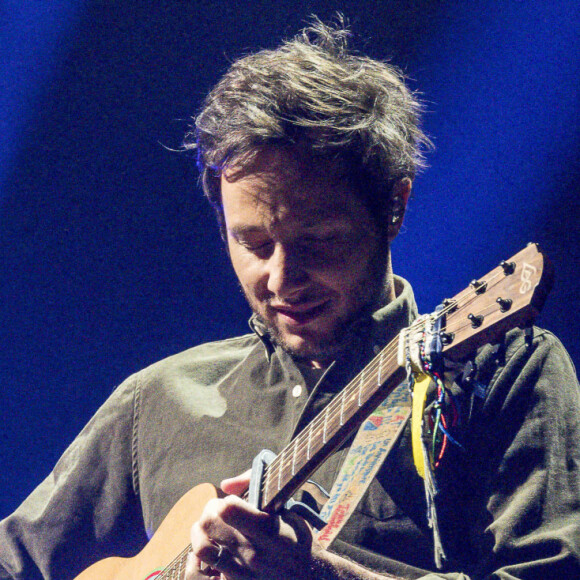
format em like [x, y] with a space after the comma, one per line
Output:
[480, 286]
[508, 267]
[476, 321]
[504, 303]
[446, 337]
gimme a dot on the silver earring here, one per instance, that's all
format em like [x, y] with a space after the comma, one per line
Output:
[397, 209]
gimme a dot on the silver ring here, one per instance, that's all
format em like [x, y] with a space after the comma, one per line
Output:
[220, 553]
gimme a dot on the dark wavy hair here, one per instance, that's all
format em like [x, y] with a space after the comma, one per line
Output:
[313, 92]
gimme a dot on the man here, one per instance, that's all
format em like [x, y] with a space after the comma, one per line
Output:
[308, 153]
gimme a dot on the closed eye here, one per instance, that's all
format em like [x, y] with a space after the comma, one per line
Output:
[260, 249]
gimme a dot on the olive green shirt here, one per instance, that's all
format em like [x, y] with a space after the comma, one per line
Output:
[508, 503]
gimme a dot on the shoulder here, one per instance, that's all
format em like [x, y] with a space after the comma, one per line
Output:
[534, 351]
[202, 364]
[221, 352]
[529, 366]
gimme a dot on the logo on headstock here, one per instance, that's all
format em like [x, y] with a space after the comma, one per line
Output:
[528, 271]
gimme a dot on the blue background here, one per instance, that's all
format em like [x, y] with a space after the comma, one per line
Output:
[109, 256]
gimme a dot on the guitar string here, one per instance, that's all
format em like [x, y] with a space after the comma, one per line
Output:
[180, 559]
[470, 295]
[301, 442]
[348, 393]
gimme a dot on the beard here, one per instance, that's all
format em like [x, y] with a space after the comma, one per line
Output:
[371, 291]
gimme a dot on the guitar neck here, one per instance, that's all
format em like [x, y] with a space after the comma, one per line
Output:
[345, 413]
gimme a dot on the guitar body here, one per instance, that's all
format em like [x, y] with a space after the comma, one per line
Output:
[172, 537]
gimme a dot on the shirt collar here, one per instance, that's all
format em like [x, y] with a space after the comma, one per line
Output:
[397, 314]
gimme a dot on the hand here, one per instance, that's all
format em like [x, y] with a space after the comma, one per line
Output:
[240, 542]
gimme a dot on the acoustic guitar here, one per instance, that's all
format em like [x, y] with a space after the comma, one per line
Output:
[510, 295]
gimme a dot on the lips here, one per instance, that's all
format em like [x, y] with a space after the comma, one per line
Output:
[300, 314]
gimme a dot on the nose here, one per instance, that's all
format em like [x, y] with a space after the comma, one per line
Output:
[287, 274]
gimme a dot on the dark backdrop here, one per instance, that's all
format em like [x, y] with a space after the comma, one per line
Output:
[109, 257]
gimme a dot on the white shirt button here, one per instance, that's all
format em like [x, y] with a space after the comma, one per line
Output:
[297, 391]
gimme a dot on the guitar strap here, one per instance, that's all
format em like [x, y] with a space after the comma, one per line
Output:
[371, 445]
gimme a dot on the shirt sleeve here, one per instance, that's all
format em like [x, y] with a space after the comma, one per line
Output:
[86, 509]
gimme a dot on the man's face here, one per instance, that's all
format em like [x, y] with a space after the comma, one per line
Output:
[305, 249]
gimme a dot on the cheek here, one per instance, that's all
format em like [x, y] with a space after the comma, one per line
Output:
[341, 282]
[357, 277]
[352, 267]
[247, 271]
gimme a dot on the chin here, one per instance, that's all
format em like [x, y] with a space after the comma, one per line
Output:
[312, 347]
[322, 339]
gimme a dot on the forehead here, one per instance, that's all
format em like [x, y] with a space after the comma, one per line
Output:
[285, 184]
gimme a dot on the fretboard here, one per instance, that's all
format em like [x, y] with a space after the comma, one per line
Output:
[330, 428]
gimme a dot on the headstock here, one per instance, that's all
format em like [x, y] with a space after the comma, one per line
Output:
[510, 295]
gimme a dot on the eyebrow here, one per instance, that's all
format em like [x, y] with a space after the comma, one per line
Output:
[238, 231]
[241, 230]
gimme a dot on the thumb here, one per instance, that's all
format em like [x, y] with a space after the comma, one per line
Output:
[236, 485]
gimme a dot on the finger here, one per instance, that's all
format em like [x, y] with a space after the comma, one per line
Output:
[234, 523]
[246, 519]
[236, 485]
[210, 553]
[229, 565]
[270, 555]
[220, 545]
[267, 532]
[301, 528]
[218, 562]
[212, 528]
[195, 569]
[261, 527]
[210, 532]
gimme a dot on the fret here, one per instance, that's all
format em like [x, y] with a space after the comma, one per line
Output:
[380, 367]
[342, 398]
[360, 387]
[180, 570]
[294, 459]
[183, 562]
[309, 441]
[325, 421]
[266, 485]
[280, 470]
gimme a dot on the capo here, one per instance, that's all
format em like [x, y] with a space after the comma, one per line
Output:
[261, 461]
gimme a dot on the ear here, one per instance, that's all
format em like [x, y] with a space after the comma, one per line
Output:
[400, 197]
